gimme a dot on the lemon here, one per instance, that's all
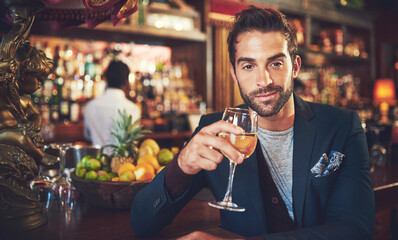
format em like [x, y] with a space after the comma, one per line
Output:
[165, 156]
[149, 159]
[126, 167]
[91, 175]
[151, 143]
[115, 179]
[127, 176]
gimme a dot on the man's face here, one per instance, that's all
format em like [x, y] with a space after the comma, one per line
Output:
[264, 71]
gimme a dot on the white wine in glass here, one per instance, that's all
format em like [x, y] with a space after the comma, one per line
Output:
[245, 143]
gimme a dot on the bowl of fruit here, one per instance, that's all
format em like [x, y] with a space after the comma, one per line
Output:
[112, 181]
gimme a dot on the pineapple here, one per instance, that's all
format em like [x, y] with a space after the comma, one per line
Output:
[127, 135]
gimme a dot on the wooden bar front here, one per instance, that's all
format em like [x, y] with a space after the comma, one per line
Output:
[90, 222]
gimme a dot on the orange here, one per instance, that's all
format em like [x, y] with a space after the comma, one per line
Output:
[175, 150]
[144, 172]
[149, 159]
[115, 179]
[126, 167]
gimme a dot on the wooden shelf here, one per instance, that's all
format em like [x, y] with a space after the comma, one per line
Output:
[168, 135]
[74, 132]
[123, 33]
[318, 58]
[170, 139]
[195, 36]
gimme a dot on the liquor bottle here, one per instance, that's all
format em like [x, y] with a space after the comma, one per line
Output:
[60, 73]
[89, 66]
[55, 100]
[64, 115]
[75, 112]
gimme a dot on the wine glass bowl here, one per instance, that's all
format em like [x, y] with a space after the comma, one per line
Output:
[42, 188]
[64, 192]
[245, 143]
[378, 153]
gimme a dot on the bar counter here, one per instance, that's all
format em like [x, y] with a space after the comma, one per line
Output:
[385, 184]
[90, 222]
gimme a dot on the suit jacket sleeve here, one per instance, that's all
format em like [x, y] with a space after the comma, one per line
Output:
[350, 210]
[154, 208]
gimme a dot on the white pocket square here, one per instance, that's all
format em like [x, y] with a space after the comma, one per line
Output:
[327, 165]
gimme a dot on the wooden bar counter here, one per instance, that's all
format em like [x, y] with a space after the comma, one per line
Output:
[90, 222]
[385, 184]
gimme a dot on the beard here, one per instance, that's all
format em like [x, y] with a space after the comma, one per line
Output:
[271, 107]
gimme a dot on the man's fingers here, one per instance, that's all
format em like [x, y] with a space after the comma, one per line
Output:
[211, 159]
[202, 152]
[216, 143]
[208, 165]
[222, 126]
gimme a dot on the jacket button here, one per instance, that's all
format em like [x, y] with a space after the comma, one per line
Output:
[275, 200]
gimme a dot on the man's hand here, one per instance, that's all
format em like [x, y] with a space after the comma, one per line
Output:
[201, 152]
[200, 236]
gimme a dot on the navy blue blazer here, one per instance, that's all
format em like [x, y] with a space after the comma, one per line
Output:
[337, 206]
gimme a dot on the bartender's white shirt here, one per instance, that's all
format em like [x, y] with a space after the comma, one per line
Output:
[99, 112]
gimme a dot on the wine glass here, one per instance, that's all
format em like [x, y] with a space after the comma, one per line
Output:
[62, 186]
[378, 153]
[41, 185]
[245, 143]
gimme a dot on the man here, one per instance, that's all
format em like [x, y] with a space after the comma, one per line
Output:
[100, 111]
[297, 184]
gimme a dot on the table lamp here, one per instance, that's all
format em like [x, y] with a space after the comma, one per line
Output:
[384, 96]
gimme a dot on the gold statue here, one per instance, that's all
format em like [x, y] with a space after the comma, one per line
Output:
[22, 69]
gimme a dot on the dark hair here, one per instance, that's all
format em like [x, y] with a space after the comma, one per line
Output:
[117, 74]
[263, 20]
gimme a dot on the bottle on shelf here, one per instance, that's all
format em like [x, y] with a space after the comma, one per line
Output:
[330, 86]
[160, 86]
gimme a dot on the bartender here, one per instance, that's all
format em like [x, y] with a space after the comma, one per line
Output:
[100, 111]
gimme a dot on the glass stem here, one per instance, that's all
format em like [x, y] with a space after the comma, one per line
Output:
[40, 170]
[62, 159]
[228, 194]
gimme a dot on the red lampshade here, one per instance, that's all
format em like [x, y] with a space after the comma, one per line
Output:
[384, 90]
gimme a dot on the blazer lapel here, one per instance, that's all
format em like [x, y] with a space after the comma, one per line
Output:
[304, 134]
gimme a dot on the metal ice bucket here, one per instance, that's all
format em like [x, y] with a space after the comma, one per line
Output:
[76, 153]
